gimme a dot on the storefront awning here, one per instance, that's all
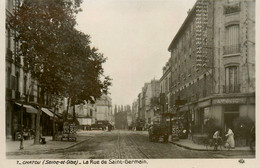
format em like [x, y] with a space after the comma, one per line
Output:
[48, 112]
[29, 108]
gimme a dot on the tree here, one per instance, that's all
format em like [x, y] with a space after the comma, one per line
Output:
[55, 53]
[85, 75]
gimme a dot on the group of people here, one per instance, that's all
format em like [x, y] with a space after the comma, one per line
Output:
[230, 142]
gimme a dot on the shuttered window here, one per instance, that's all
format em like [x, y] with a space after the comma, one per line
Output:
[232, 39]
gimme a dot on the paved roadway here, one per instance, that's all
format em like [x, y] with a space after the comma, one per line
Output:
[128, 145]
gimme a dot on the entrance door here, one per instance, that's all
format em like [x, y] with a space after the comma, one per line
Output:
[229, 119]
[230, 114]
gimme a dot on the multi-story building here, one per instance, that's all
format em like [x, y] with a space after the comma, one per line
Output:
[85, 114]
[19, 83]
[146, 106]
[88, 114]
[165, 92]
[213, 63]
[103, 109]
[152, 94]
[135, 110]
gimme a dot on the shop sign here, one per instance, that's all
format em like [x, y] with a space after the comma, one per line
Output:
[183, 108]
[229, 101]
[204, 103]
[175, 130]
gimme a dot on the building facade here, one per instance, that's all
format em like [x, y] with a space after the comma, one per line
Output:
[213, 64]
[19, 83]
[165, 92]
[103, 109]
[152, 94]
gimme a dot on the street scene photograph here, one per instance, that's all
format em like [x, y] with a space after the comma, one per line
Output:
[129, 80]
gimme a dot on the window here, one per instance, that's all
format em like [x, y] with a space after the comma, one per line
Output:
[8, 78]
[24, 84]
[232, 39]
[17, 81]
[231, 79]
[169, 83]
[205, 86]
[8, 38]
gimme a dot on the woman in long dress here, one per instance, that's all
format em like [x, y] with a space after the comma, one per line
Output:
[230, 139]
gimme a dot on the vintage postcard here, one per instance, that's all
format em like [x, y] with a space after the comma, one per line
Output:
[141, 83]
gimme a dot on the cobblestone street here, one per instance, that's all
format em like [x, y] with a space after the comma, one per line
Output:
[126, 145]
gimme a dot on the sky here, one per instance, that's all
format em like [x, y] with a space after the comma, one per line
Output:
[134, 35]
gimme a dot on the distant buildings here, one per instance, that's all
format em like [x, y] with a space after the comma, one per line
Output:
[103, 107]
[88, 114]
[146, 106]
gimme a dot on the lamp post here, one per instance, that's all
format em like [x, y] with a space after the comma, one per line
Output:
[22, 99]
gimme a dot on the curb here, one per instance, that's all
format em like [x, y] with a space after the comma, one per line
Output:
[75, 144]
[46, 150]
[186, 147]
[196, 149]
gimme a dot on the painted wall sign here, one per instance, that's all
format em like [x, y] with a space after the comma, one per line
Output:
[229, 101]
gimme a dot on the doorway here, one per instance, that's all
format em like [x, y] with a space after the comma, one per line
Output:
[229, 119]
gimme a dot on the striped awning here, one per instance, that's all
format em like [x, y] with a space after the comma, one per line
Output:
[47, 111]
[29, 108]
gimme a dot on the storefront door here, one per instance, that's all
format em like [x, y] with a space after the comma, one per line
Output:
[229, 119]
[230, 114]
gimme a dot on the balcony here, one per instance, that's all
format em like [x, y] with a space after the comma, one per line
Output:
[231, 89]
[232, 8]
[231, 49]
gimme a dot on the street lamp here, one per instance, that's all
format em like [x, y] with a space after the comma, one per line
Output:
[22, 99]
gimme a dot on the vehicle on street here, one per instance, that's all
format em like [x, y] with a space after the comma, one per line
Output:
[158, 132]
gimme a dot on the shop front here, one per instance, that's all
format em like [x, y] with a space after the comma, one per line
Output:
[227, 110]
[28, 114]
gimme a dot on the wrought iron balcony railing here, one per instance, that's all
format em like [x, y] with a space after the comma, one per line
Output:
[231, 88]
[231, 49]
[232, 8]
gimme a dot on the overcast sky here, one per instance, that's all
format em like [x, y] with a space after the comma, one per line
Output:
[134, 35]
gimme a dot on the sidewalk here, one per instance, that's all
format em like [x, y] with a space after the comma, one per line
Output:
[13, 147]
[189, 144]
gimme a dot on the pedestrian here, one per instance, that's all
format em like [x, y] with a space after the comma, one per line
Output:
[216, 138]
[230, 139]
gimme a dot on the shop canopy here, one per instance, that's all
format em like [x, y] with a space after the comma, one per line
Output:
[29, 108]
[57, 115]
[47, 111]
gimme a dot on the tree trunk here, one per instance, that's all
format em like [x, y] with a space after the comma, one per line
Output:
[54, 125]
[74, 113]
[38, 119]
[67, 111]
[37, 129]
